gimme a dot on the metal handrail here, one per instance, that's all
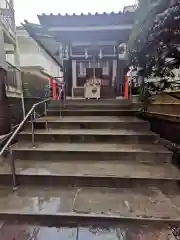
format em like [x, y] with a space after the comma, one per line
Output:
[8, 143]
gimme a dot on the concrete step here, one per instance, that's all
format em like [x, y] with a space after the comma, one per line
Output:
[90, 151]
[89, 173]
[91, 122]
[123, 136]
[84, 205]
[92, 112]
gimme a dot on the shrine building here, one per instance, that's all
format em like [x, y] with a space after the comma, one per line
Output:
[92, 46]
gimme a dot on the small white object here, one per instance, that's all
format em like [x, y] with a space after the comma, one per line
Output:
[92, 89]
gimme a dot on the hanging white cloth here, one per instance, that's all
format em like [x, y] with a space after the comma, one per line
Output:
[105, 68]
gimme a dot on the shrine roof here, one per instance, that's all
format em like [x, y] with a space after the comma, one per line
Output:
[44, 39]
[93, 36]
[97, 19]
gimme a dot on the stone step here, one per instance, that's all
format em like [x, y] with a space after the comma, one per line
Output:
[82, 204]
[91, 102]
[123, 136]
[90, 151]
[25, 231]
[90, 106]
[92, 112]
[91, 122]
[89, 173]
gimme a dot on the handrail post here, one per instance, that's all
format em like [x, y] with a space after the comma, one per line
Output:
[13, 169]
[45, 108]
[60, 114]
[34, 113]
[45, 113]
[64, 94]
[32, 127]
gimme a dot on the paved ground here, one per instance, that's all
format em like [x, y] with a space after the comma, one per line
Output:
[27, 232]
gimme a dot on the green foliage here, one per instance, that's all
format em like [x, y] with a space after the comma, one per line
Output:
[145, 15]
[153, 36]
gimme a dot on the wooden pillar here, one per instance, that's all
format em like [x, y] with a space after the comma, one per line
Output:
[126, 87]
[119, 78]
[74, 77]
[5, 122]
[67, 72]
[118, 74]
[121, 73]
[114, 68]
[54, 90]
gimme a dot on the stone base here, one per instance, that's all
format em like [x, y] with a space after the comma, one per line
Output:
[106, 92]
[77, 92]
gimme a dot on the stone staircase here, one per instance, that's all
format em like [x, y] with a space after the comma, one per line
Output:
[93, 161]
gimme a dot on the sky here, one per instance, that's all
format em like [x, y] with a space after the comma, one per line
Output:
[28, 9]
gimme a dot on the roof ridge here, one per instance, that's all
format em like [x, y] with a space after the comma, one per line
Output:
[84, 14]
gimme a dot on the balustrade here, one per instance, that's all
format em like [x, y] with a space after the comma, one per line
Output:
[13, 76]
[7, 16]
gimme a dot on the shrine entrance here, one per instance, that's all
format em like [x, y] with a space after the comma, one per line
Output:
[95, 77]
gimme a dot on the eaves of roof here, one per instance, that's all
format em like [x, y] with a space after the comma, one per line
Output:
[29, 28]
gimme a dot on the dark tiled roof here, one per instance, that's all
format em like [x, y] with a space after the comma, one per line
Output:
[44, 38]
[97, 19]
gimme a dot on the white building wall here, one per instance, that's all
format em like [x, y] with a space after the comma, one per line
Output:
[2, 51]
[10, 57]
[3, 3]
[8, 42]
[32, 55]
